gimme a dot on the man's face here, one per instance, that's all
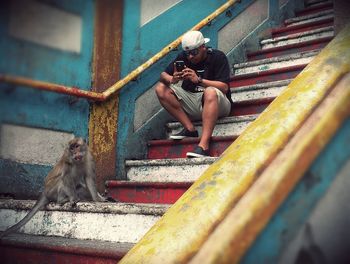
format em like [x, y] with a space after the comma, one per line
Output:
[195, 55]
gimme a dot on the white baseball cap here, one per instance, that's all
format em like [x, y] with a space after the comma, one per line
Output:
[193, 39]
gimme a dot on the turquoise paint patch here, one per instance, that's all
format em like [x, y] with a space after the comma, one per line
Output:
[297, 208]
[24, 180]
[263, 68]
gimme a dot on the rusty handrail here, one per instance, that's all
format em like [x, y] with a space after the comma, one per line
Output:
[41, 85]
[95, 96]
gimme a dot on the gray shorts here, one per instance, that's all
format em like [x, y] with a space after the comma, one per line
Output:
[192, 102]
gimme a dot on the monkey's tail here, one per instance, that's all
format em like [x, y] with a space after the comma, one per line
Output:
[40, 204]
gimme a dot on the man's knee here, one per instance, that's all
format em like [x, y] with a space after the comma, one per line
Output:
[210, 94]
[163, 91]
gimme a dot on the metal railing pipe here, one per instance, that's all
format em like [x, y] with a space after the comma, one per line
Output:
[41, 85]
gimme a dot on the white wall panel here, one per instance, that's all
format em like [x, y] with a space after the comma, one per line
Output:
[32, 145]
[153, 8]
[242, 25]
[45, 25]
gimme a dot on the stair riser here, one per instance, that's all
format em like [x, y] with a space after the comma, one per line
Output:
[19, 255]
[121, 228]
[290, 49]
[147, 194]
[166, 173]
[302, 28]
[267, 76]
[178, 149]
[313, 2]
[309, 19]
[251, 109]
[228, 129]
[314, 9]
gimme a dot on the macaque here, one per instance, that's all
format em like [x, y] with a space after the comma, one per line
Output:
[71, 180]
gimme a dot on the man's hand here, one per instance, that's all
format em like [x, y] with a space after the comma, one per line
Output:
[191, 75]
[177, 76]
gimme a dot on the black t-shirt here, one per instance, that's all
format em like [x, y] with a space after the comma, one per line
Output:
[215, 68]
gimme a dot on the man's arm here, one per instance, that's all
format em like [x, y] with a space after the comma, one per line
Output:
[223, 87]
[168, 79]
[192, 76]
[165, 78]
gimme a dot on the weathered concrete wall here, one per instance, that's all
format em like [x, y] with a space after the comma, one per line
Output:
[235, 31]
[47, 41]
[32, 145]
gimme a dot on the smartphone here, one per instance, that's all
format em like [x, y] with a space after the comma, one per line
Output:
[180, 65]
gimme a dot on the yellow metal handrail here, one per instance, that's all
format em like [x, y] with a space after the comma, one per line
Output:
[95, 96]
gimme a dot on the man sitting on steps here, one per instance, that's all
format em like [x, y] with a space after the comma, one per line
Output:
[199, 91]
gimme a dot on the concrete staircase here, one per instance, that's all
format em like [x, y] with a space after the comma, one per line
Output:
[104, 232]
[255, 84]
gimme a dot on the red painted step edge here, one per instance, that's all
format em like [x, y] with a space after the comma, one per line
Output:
[172, 149]
[277, 51]
[314, 9]
[146, 192]
[37, 249]
[282, 31]
[266, 76]
[250, 107]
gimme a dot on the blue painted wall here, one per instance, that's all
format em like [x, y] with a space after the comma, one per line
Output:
[43, 109]
[33, 108]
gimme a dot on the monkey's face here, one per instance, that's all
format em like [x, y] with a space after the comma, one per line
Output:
[77, 150]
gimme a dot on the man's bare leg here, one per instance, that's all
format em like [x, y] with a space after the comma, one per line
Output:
[168, 100]
[209, 116]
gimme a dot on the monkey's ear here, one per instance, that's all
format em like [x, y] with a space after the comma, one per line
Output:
[84, 139]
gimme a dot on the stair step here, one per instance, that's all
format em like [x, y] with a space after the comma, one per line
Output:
[167, 170]
[260, 86]
[311, 24]
[315, 8]
[298, 37]
[259, 66]
[124, 223]
[262, 94]
[315, 44]
[146, 192]
[304, 19]
[176, 149]
[283, 73]
[313, 2]
[224, 126]
[31, 249]
[254, 107]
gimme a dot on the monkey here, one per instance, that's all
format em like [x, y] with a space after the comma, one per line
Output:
[72, 179]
